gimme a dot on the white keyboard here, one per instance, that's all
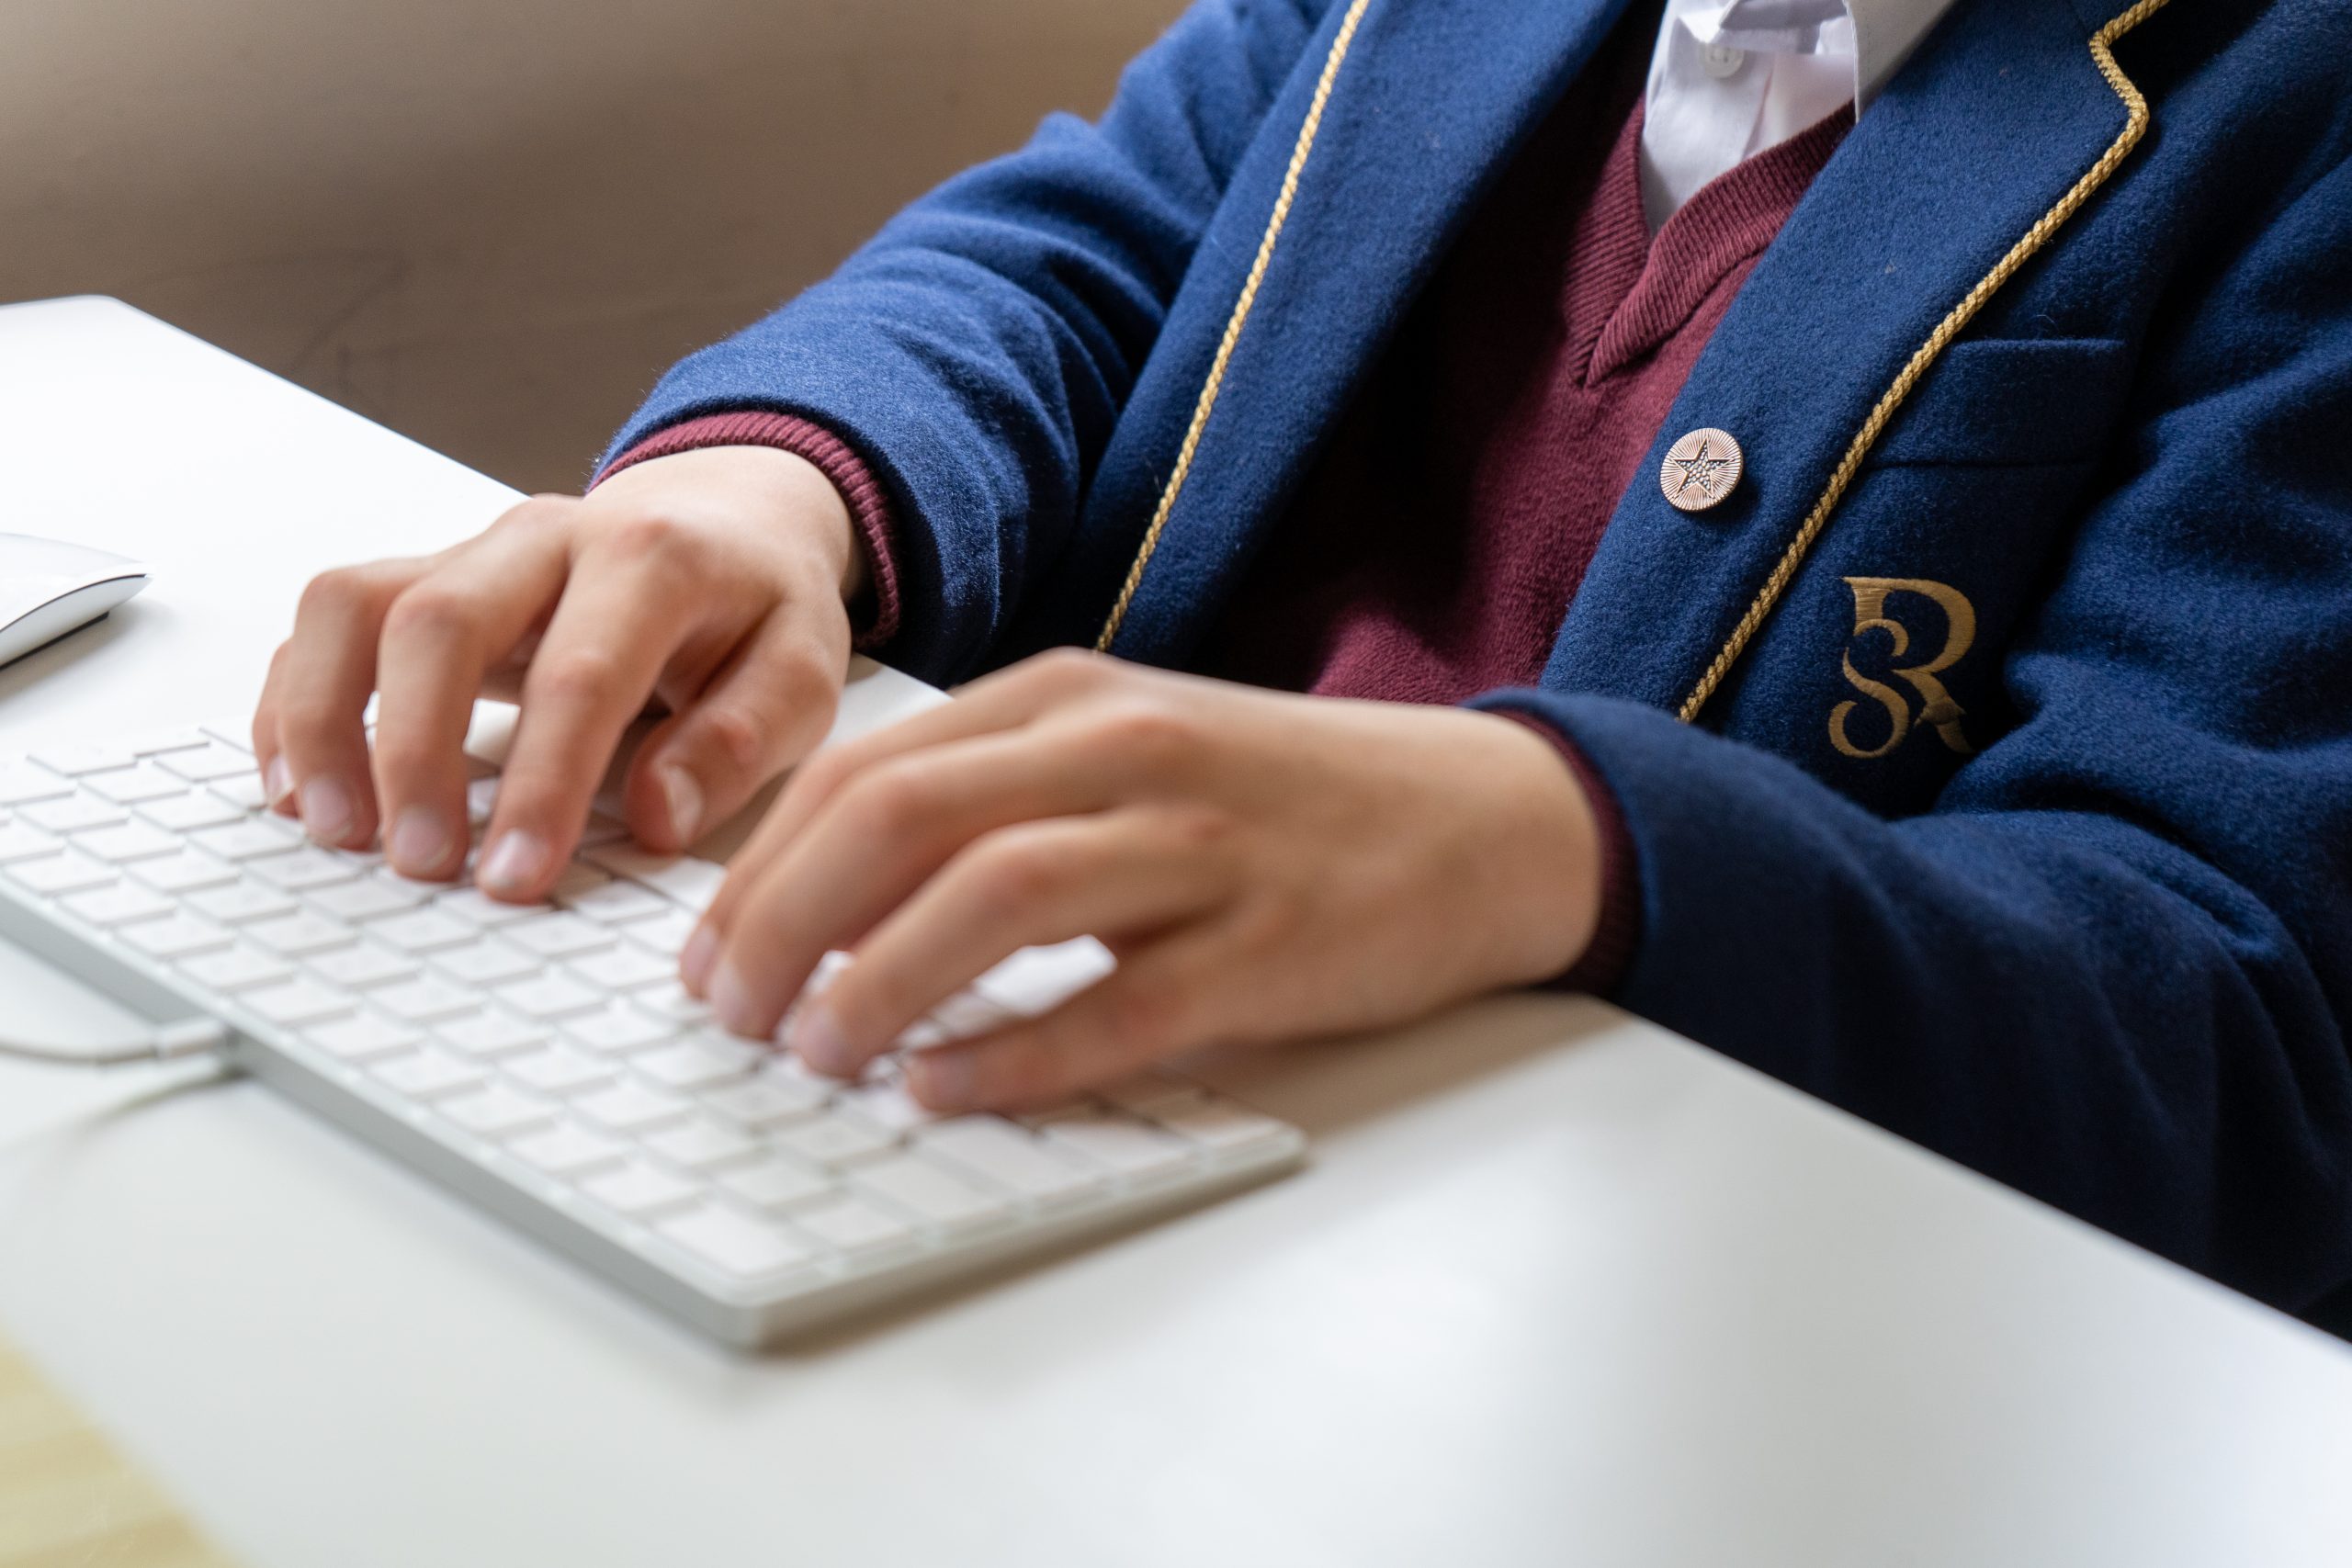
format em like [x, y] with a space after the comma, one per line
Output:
[546, 1063]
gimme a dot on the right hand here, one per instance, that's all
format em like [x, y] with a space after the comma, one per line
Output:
[711, 584]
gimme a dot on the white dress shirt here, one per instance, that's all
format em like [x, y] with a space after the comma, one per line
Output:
[1730, 79]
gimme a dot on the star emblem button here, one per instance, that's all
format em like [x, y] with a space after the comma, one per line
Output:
[1700, 469]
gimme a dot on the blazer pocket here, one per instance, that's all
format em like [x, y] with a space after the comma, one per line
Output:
[2001, 401]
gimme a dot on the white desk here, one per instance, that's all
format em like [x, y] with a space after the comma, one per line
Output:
[1557, 1288]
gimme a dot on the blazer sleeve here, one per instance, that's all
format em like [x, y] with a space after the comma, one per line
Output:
[977, 353]
[2113, 966]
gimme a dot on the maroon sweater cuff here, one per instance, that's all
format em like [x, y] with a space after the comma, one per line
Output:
[1618, 933]
[869, 508]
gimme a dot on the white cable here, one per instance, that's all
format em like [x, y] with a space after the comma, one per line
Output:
[189, 1037]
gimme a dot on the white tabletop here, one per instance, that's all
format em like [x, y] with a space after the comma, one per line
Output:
[1558, 1288]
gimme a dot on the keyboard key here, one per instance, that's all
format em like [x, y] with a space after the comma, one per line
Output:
[248, 840]
[300, 933]
[833, 1140]
[366, 898]
[1219, 1124]
[558, 935]
[129, 786]
[671, 1000]
[424, 930]
[241, 902]
[485, 960]
[631, 1108]
[887, 1106]
[1008, 1157]
[75, 761]
[736, 1244]
[568, 1149]
[766, 1101]
[575, 881]
[683, 880]
[623, 967]
[700, 1144]
[74, 814]
[549, 996]
[243, 790]
[423, 1000]
[363, 1038]
[120, 905]
[208, 763]
[498, 1111]
[235, 968]
[178, 936]
[305, 868]
[22, 840]
[21, 784]
[1125, 1145]
[665, 934]
[481, 798]
[155, 742]
[617, 1029]
[847, 1225]
[184, 871]
[559, 1070]
[365, 964]
[928, 1193]
[777, 1184]
[186, 813]
[60, 874]
[132, 841]
[614, 903]
[301, 1001]
[429, 1075]
[477, 907]
[638, 1190]
[491, 1033]
[696, 1064]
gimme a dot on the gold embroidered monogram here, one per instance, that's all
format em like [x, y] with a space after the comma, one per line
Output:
[1939, 710]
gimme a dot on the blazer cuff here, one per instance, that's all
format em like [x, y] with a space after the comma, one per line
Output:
[1609, 954]
[869, 508]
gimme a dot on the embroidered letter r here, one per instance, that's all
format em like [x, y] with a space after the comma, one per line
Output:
[1938, 708]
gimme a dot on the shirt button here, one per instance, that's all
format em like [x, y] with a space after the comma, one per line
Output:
[1702, 469]
[1720, 59]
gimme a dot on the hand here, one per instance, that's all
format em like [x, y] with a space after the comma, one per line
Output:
[1265, 868]
[710, 582]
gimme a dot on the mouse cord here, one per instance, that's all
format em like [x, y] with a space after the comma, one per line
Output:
[170, 1042]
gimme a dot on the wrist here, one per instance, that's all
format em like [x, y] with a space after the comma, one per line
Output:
[1553, 853]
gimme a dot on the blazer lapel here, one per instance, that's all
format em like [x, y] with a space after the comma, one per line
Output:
[1427, 107]
[1989, 124]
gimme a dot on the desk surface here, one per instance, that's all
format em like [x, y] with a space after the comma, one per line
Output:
[1558, 1287]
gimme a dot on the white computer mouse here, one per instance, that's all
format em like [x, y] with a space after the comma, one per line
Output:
[49, 587]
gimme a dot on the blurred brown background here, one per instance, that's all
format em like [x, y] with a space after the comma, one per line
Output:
[490, 223]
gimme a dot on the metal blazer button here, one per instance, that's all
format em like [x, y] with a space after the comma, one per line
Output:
[1702, 469]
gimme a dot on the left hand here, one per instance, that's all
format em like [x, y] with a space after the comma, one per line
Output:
[1265, 866]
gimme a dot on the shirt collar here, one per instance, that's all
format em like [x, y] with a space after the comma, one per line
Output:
[1884, 32]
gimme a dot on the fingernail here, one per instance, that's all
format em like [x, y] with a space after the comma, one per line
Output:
[326, 810]
[942, 1080]
[818, 1041]
[419, 841]
[684, 798]
[693, 963]
[514, 864]
[731, 998]
[278, 783]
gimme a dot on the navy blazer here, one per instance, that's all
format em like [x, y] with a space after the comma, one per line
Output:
[1989, 754]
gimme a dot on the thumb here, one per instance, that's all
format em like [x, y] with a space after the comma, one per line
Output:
[764, 711]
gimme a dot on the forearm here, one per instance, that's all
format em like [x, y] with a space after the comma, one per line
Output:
[2060, 998]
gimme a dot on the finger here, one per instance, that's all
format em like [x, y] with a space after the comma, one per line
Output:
[317, 696]
[1008, 699]
[875, 841]
[623, 616]
[1162, 1000]
[439, 636]
[1027, 886]
[772, 701]
[276, 780]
